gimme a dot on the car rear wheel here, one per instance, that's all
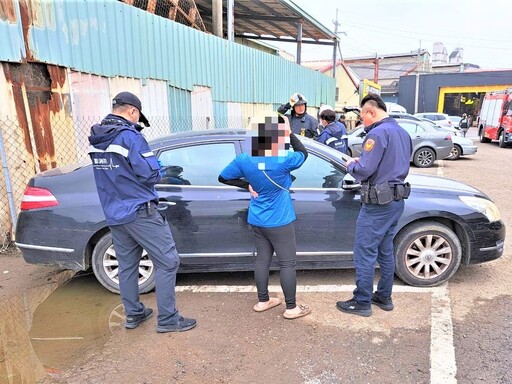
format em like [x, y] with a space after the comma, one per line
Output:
[424, 157]
[106, 267]
[456, 152]
[427, 254]
[501, 139]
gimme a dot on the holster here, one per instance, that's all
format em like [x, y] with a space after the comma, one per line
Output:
[384, 194]
[402, 191]
[365, 193]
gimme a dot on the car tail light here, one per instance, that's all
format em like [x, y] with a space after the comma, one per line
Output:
[34, 198]
[448, 136]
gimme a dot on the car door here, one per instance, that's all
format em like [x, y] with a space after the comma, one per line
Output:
[355, 142]
[416, 132]
[326, 214]
[208, 219]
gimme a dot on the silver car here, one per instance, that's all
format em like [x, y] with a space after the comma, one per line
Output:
[461, 145]
[429, 144]
[438, 118]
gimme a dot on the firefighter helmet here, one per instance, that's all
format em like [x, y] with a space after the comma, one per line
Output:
[297, 99]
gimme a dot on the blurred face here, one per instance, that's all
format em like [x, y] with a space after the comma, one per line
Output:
[270, 137]
[300, 109]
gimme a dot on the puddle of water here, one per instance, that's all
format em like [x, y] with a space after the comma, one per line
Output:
[46, 330]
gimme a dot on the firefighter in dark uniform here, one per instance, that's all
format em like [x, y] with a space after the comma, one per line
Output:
[301, 123]
[382, 169]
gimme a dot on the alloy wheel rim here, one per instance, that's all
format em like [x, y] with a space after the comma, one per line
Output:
[425, 157]
[111, 266]
[429, 257]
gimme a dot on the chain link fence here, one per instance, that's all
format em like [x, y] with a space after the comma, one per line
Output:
[27, 149]
[182, 11]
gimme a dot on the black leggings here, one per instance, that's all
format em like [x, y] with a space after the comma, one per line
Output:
[282, 241]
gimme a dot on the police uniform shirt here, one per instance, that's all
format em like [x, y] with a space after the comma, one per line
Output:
[386, 154]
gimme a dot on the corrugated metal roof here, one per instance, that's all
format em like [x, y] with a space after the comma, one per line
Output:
[274, 19]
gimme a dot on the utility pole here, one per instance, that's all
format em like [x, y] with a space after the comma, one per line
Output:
[335, 45]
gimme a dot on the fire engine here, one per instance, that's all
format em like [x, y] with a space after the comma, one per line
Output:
[495, 120]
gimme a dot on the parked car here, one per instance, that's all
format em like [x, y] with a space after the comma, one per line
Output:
[394, 107]
[445, 222]
[453, 131]
[455, 121]
[438, 118]
[428, 144]
[399, 115]
[461, 145]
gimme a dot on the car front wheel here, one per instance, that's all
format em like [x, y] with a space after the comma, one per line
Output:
[106, 267]
[427, 254]
[424, 157]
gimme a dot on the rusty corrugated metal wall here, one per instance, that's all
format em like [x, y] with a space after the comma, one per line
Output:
[63, 61]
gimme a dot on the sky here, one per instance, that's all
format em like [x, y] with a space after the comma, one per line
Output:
[482, 28]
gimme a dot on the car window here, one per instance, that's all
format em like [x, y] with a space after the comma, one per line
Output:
[409, 127]
[196, 165]
[317, 173]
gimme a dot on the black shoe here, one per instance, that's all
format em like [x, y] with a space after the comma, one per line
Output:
[385, 304]
[183, 324]
[352, 306]
[133, 321]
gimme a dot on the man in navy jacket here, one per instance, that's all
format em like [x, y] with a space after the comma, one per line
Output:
[126, 171]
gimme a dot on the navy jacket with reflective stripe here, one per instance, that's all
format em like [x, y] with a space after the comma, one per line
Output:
[125, 168]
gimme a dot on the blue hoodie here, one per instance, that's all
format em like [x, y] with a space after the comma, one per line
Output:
[125, 168]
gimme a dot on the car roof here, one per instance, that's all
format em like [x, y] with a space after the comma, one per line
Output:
[401, 115]
[202, 134]
[223, 134]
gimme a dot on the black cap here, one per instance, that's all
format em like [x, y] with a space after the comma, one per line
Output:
[130, 99]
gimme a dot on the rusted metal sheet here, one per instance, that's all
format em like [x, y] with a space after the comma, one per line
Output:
[41, 101]
[12, 47]
[7, 11]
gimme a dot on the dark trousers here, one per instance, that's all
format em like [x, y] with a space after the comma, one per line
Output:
[282, 241]
[151, 232]
[375, 229]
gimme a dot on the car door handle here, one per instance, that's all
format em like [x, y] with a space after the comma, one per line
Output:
[167, 203]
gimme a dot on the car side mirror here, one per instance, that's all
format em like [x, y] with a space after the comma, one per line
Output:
[362, 134]
[349, 183]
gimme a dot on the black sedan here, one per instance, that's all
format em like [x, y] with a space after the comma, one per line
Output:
[445, 222]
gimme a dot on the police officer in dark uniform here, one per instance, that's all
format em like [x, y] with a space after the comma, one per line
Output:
[126, 171]
[382, 169]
